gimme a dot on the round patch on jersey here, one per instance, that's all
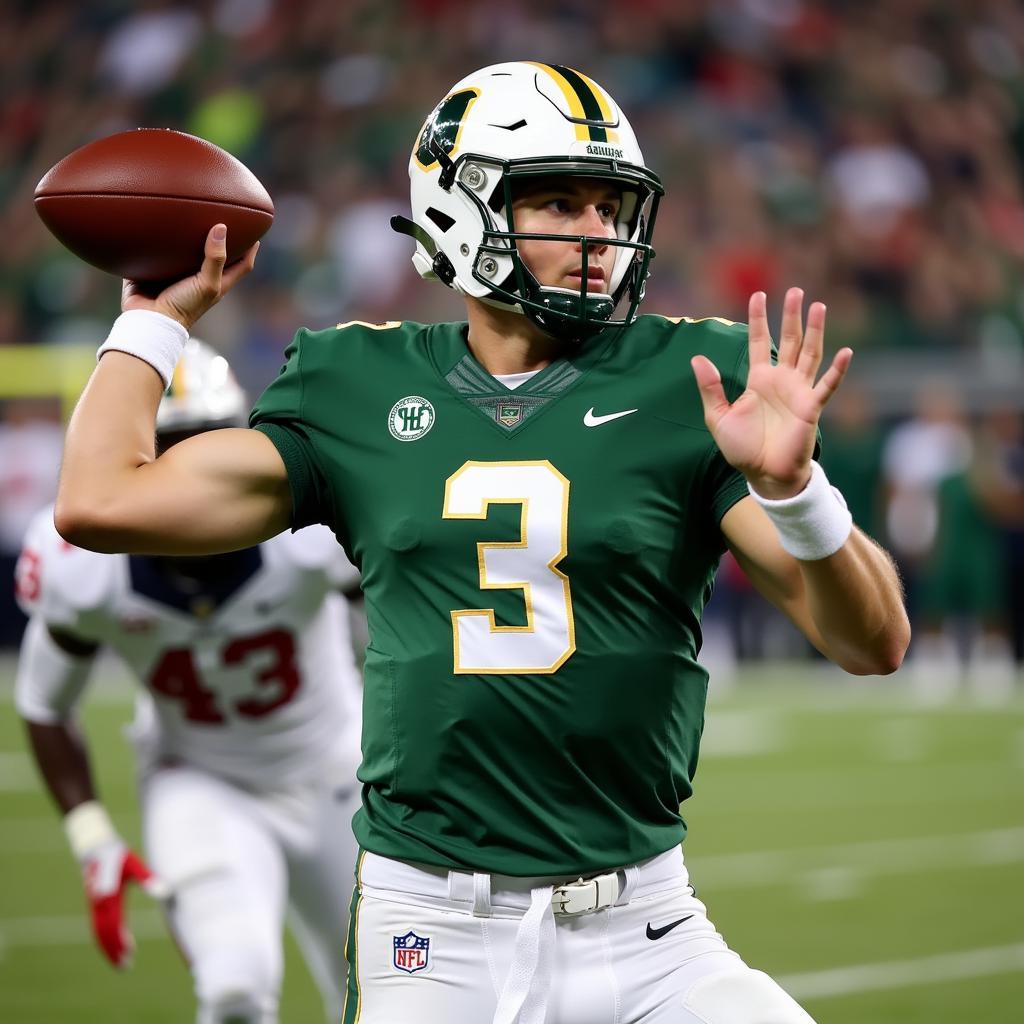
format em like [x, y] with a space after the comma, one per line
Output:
[410, 418]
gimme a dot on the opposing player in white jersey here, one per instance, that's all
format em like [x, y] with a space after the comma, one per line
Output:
[247, 733]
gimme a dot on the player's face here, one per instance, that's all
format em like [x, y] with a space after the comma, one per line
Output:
[568, 206]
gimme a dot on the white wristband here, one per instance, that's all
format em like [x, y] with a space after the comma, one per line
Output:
[812, 524]
[87, 827]
[150, 336]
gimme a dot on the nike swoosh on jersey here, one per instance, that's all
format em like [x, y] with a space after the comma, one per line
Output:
[590, 420]
[657, 933]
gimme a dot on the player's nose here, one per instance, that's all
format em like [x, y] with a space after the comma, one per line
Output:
[594, 226]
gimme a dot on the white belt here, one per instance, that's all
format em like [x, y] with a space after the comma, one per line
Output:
[585, 895]
[536, 901]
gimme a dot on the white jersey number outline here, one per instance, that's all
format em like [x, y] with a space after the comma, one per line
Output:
[548, 639]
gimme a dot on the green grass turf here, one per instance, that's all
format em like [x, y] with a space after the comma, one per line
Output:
[834, 824]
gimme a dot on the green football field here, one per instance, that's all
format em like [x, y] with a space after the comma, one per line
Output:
[866, 851]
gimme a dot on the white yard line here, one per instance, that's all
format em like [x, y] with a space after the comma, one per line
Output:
[71, 930]
[927, 970]
[736, 733]
[871, 858]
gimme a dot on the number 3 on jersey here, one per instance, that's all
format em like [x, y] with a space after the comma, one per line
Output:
[530, 564]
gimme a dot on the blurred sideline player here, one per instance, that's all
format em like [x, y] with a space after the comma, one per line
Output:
[247, 736]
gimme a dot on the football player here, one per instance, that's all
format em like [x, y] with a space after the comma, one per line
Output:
[537, 499]
[247, 732]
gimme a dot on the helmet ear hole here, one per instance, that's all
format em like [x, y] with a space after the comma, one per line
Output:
[440, 218]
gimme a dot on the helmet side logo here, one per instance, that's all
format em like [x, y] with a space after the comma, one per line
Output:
[443, 127]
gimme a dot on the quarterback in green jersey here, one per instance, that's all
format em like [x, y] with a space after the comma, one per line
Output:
[537, 499]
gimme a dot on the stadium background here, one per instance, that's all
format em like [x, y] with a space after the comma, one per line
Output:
[861, 839]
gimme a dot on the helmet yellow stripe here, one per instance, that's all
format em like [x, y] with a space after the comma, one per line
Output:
[602, 102]
[571, 97]
[587, 101]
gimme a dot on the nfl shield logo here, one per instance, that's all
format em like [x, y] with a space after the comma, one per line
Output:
[510, 413]
[412, 952]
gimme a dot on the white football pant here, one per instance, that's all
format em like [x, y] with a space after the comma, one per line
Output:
[431, 946]
[235, 861]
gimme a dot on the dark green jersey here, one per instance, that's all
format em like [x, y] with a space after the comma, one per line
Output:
[535, 564]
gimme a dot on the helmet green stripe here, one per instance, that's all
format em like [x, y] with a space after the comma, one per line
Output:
[588, 100]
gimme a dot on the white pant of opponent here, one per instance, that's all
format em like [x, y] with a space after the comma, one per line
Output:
[235, 860]
[433, 946]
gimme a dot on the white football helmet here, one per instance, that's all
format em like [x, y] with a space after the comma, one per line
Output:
[203, 394]
[510, 122]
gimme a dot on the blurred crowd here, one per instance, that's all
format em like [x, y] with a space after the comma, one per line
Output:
[868, 151]
[944, 492]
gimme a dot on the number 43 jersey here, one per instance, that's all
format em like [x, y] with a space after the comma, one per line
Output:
[250, 677]
[535, 563]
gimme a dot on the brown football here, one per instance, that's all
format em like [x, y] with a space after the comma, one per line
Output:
[139, 204]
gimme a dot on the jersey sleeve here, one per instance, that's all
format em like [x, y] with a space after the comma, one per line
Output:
[58, 583]
[279, 414]
[49, 682]
[28, 571]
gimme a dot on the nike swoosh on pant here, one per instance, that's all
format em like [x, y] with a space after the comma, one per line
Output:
[657, 933]
[590, 420]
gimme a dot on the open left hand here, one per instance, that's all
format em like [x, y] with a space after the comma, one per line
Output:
[768, 433]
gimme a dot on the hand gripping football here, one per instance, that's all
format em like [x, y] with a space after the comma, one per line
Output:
[139, 204]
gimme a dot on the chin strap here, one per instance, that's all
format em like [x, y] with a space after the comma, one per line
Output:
[440, 264]
[404, 226]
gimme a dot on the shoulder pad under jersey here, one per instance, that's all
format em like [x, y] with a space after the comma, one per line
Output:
[315, 549]
[57, 581]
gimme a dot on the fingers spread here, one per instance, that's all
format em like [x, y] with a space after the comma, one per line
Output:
[791, 334]
[759, 338]
[709, 384]
[833, 376]
[814, 341]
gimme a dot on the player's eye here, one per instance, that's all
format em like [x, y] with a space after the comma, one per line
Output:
[559, 204]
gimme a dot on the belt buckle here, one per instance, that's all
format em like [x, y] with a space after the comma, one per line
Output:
[585, 895]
